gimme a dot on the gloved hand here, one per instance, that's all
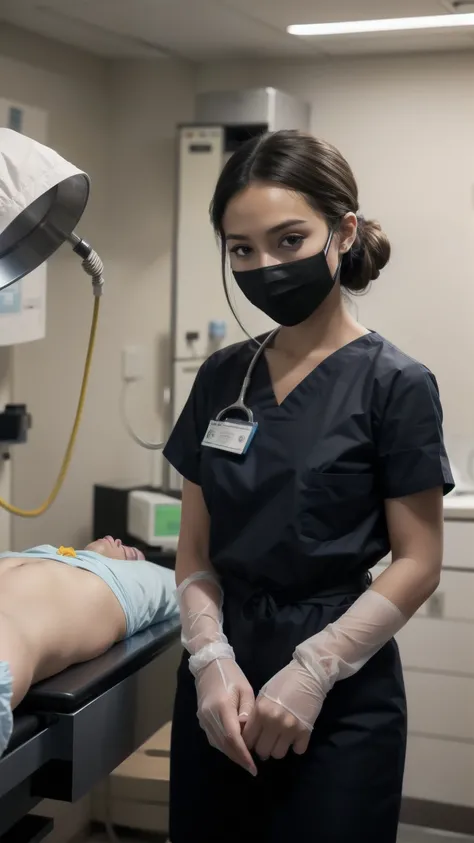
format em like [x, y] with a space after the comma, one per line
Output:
[289, 704]
[225, 701]
[225, 698]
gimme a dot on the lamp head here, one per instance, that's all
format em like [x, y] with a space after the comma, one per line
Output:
[42, 198]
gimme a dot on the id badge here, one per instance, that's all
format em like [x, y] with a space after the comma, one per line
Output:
[231, 436]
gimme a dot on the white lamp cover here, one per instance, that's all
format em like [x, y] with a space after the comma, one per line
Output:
[42, 198]
[27, 170]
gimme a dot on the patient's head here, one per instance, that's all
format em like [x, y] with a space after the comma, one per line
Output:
[114, 549]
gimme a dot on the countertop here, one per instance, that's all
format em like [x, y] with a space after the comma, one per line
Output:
[459, 508]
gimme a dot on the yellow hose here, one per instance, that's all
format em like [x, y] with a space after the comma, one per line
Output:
[34, 513]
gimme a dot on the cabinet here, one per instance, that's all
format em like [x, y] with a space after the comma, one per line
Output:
[437, 650]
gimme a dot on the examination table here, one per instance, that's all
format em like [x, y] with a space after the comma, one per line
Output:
[72, 730]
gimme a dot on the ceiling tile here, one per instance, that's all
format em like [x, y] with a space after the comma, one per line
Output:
[282, 13]
[414, 42]
[199, 29]
[204, 30]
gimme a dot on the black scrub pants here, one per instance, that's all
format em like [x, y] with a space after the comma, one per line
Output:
[345, 789]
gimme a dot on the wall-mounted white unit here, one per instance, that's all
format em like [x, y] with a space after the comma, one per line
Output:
[199, 296]
[268, 108]
[23, 305]
[202, 319]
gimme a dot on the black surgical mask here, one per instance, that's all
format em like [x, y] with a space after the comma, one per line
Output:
[289, 293]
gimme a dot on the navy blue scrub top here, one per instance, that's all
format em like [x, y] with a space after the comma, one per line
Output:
[303, 510]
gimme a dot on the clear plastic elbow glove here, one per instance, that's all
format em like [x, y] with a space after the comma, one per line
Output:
[200, 600]
[225, 697]
[289, 704]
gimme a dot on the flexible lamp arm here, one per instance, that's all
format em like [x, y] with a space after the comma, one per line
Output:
[91, 262]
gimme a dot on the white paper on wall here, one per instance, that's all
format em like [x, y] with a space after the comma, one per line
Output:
[23, 309]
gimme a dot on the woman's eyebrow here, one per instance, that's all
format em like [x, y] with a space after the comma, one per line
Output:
[274, 230]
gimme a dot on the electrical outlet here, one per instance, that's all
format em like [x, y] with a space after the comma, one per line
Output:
[133, 363]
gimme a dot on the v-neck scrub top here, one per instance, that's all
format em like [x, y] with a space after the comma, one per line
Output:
[295, 526]
[305, 506]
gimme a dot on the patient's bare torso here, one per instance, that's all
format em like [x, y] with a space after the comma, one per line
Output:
[66, 613]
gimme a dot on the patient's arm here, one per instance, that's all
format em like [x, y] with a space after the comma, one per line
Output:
[53, 615]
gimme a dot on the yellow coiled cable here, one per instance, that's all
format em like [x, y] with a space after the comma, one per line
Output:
[34, 513]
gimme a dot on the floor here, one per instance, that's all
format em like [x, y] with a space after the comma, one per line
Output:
[407, 835]
[418, 835]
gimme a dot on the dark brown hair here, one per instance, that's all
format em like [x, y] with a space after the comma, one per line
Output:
[317, 171]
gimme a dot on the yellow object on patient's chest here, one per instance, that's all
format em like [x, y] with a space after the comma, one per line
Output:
[67, 551]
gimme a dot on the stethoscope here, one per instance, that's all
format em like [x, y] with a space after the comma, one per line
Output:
[240, 405]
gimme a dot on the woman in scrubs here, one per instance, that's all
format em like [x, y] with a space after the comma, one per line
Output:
[291, 666]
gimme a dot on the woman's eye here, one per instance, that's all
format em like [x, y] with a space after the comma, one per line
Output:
[292, 241]
[241, 251]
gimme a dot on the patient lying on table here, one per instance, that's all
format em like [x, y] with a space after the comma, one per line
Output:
[60, 606]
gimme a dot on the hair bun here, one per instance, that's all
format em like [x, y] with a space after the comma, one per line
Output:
[368, 256]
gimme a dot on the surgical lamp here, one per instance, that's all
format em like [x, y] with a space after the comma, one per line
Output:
[42, 198]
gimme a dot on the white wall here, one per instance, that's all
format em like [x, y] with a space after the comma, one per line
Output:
[117, 121]
[149, 100]
[406, 125]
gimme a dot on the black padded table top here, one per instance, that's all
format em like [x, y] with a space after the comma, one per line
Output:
[72, 688]
[24, 727]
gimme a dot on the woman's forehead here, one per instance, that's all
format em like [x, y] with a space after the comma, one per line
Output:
[263, 206]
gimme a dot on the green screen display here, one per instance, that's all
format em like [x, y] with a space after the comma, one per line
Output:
[167, 519]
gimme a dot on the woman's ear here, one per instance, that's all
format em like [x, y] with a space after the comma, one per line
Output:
[347, 232]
